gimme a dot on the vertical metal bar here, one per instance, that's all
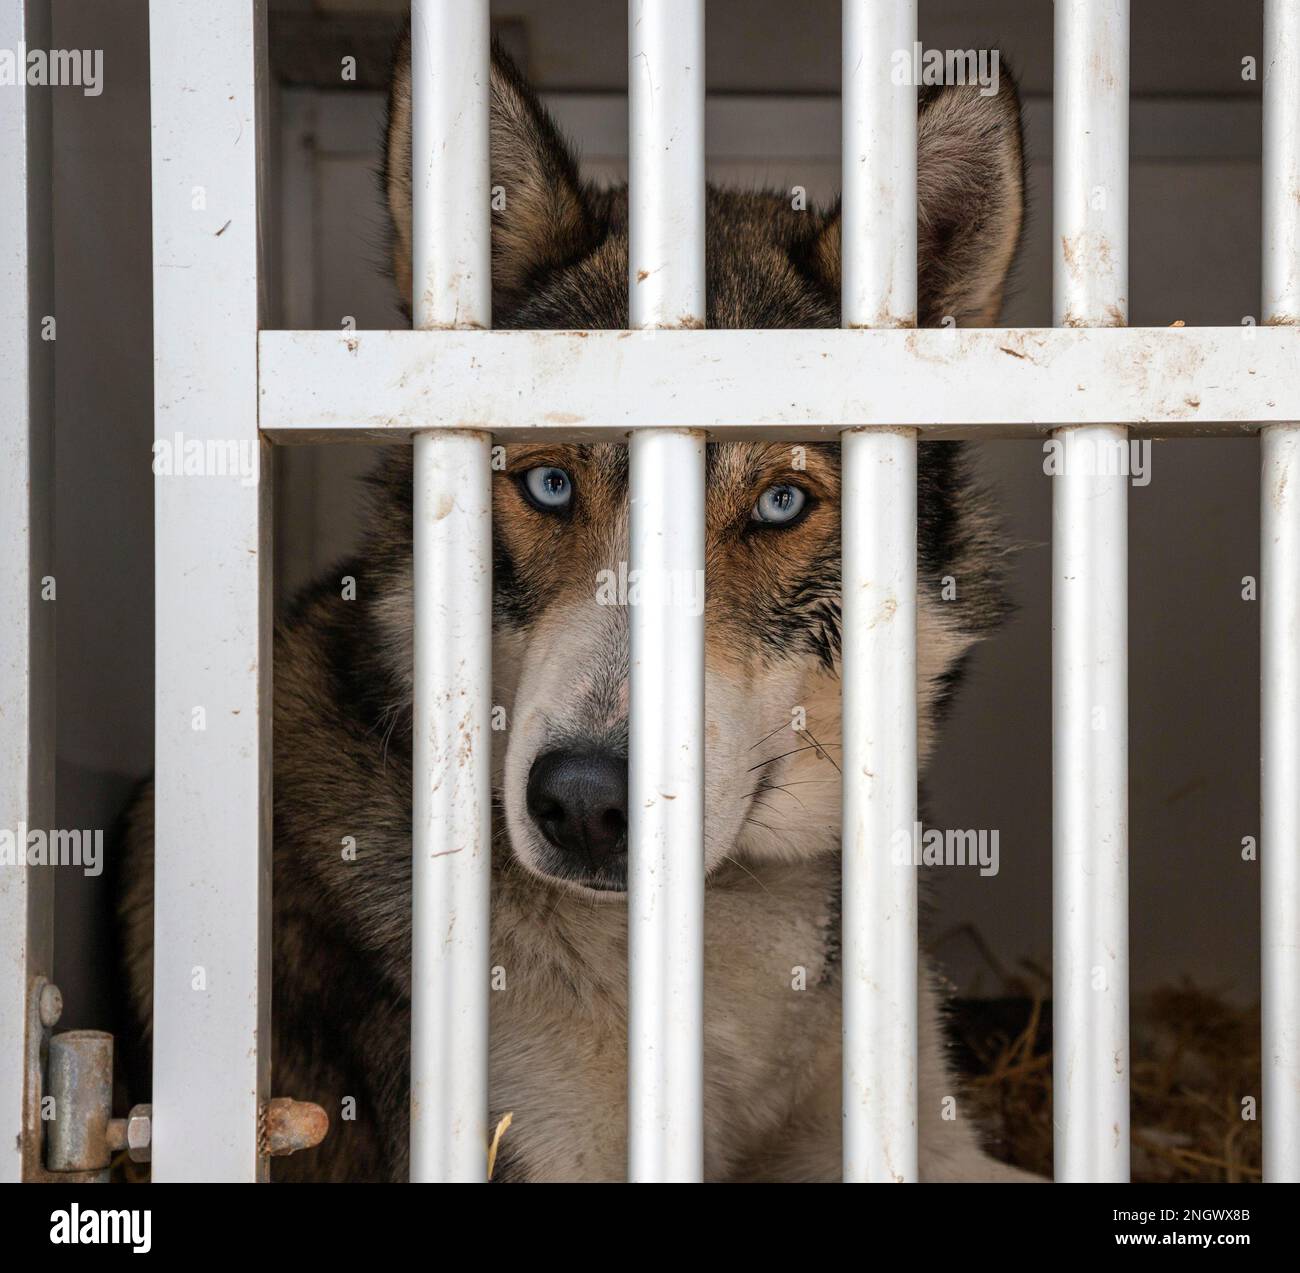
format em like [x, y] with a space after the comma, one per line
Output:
[1090, 614]
[879, 166]
[666, 732]
[878, 519]
[26, 620]
[1280, 800]
[1280, 620]
[452, 755]
[666, 807]
[213, 605]
[1281, 157]
[666, 163]
[451, 163]
[878, 528]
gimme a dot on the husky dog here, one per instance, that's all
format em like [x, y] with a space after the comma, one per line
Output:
[342, 725]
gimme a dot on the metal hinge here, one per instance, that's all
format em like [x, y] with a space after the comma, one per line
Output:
[69, 1104]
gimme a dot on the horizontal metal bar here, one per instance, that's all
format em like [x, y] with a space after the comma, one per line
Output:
[1013, 382]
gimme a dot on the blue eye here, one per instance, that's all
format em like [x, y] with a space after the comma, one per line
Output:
[779, 505]
[549, 489]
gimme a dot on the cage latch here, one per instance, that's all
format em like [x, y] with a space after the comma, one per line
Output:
[70, 1099]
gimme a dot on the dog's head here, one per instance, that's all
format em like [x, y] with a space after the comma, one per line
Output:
[560, 260]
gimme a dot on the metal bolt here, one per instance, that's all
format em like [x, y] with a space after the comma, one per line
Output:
[139, 1133]
[51, 1005]
[288, 1125]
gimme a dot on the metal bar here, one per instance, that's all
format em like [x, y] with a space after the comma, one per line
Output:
[878, 530]
[1090, 614]
[879, 166]
[878, 518]
[452, 754]
[1090, 172]
[1280, 619]
[27, 630]
[666, 285]
[1281, 159]
[450, 164]
[213, 605]
[451, 815]
[793, 385]
[1280, 800]
[666, 811]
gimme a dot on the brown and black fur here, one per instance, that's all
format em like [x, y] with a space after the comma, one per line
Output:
[342, 727]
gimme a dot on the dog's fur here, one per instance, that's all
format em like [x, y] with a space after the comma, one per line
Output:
[342, 728]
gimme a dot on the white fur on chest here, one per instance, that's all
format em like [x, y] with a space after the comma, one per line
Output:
[559, 1022]
[771, 1035]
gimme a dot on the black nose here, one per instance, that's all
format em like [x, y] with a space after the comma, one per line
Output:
[579, 800]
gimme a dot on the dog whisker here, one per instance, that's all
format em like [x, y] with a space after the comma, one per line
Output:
[821, 748]
[771, 760]
[777, 730]
[760, 791]
[726, 857]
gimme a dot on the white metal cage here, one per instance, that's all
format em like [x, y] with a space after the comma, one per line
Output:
[453, 385]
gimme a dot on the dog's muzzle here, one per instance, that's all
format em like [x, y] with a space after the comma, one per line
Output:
[578, 800]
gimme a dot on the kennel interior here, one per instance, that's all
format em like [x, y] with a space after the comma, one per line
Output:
[773, 118]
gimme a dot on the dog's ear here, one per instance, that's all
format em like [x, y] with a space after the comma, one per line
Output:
[543, 219]
[970, 203]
